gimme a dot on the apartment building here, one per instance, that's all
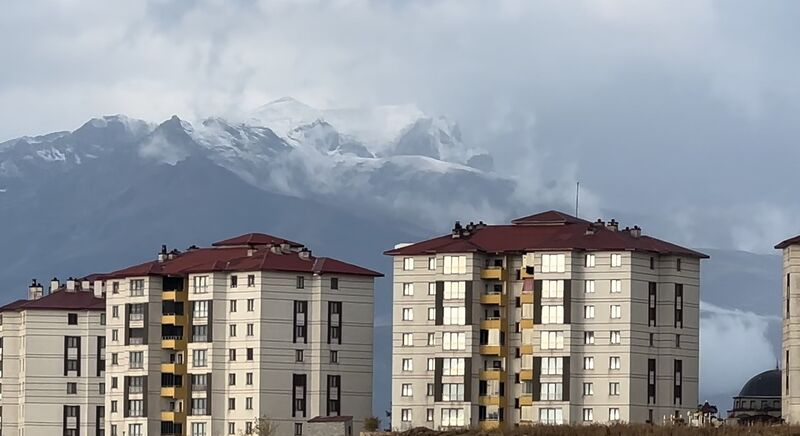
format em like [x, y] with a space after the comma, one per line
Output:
[790, 359]
[52, 362]
[206, 341]
[551, 319]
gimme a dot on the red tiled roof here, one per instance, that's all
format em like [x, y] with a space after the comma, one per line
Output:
[331, 419]
[60, 300]
[240, 258]
[788, 242]
[550, 230]
[254, 239]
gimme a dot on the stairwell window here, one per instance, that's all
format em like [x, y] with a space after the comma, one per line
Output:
[553, 314]
[452, 341]
[200, 284]
[552, 340]
[408, 264]
[552, 391]
[453, 366]
[552, 366]
[553, 263]
[455, 265]
[551, 416]
[199, 358]
[452, 391]
[452, 418]
[552, 288]
[590, 261]
[454, 316]
[455, 290]
[616, 260]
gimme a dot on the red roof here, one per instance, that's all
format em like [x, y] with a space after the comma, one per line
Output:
[60, 300]
[788, 242]
[240, 259]
[550, 230]
[254, 239]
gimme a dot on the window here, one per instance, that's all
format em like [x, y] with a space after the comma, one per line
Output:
[198, 428]
[590, 261]
[614, 362]
[431, 313]
[616, 260]
[101, 387]
[199, 406]
[72, 388]
[232, 354]
[678, 264]
[429, 415]
[432, 288]
[251, 280]
[455, 290]
[334, 356]
[652, 262]
[408, 365]
[200, 284]
[431, 263]
[298, 429]
[232, 305]
[232, 379]
[408, 263]
[405, 415]
[588, 312]
[136, 408]
[615, 337]
[334, 283]
[431, 339]
[232, 330]
[136, 359]
[72, 318]
[251, 304]
[613, 414]
[553, 314]
[231, 428]
[552, 366]
[552, 288]
[678, 305]
[115, 287]
[115, 311]
[114, 383]
[588, 389]
[452, 341]
[454, 316]
[408, 289]
[616, 311]
[301, 282]
[102, 319]
[588, 415]
[588, 287]
[406, 390]
[249, 353]
[199, 333]
[199, 358]
[652, 339]
[652, 302]
[300, 315]
[114, 335]
[136, 430]
[551, 416]
[250, 329]
[137, 287]
[408, 339]
[588, 362]
[551, 391]
[429, 389]
[452, 391]
[234, 281]
[551, 340]
[114, 359]
[677, 341]
[114, 406]
[248, 379]
[616, 286]
[588, 338]
[553, 263]
[408, 314]
[453, 366]
[613, 388]
[200, 309]
[298, 355]
[455, 265]
[231, 403]
[452, 418]
[431, 364]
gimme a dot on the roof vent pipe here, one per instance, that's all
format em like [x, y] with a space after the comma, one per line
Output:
[54, 285]
[305, 254]
[162, 255]
[636, 232]
[613, 225]
[71, 285]
[458, 231]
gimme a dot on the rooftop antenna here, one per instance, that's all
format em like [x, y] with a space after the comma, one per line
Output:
[577, 196]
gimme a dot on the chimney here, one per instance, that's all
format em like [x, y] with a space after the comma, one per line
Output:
[305, 254]
[71, 285]
[99, 289]
[173, 254]
[612, 225]
[35, 291]
[590, 229]
[275, 249]
[162, 255]
[251, 251]
[86, 285]
[286, 248]
[54, 285]
[636, 232]
[458, 231]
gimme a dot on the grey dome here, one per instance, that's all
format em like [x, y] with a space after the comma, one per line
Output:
[766, 384]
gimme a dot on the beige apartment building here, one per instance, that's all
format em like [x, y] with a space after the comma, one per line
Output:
[52, 362]
[551, 319]
[205, 341]
[790, 359]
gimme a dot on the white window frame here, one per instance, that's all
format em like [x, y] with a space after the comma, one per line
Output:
[552, 288]
[588, 287]
[454, 341]
[432, 263]
[552, 340]
[588, 311]
[614, 363]
[408, 264]
[431, 314]
[616, 311]
[588, 363]
[454, 316]
[588, 338]
[407, 390]
[408, 339]
[407, 365]
[553, 314]
[616, 260]
[588, 389]
[408, 314]
[588, 414]
[615, 286]
[590, 261]
[613, 414]
[455, 265]
[615, 337]
[408, 289]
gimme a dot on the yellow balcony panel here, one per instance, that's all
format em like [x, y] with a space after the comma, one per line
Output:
[490, 400]
[490, 425]
[525, 324]
[526, 374]
[498, 299]
[526, 273]
[494, 273]
[526, 298]
[173, 416]
[173, 368]
[526, 400]
[495, 374]
[489, 324]
[491, 350]
[173, 342]
[170, 295]
[169, 391]
[173, 319]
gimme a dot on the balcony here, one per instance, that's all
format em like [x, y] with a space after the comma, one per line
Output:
[526, 298]
[526, 349]
[169, 391]
[493, 298]
[173, 368]
[526, 400]
[173, 415]
[526, 374]
[492, 374]
[493, 323]
[173, 342]
[173, 318]
[526, 272]
[492, 350]
[490, 400]
[494, 273]
[173, 295]
[490, 424]
[525, 324]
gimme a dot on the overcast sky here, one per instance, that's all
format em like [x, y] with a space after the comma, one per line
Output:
[686, 111]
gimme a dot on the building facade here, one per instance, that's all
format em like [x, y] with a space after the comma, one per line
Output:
[790, 356]
[209, 341]
[551, 319]
[52, 362]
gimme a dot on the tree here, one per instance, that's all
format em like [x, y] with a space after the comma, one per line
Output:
[372, 423]
[262, 426]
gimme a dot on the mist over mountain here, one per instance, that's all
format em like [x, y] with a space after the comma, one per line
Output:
[350, 183]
